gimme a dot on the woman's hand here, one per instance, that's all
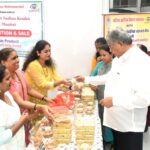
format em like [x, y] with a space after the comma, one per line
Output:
[28, 117]
[48, 99]
[46, 110]
[24, 117]
[99, 59]
[65, 82]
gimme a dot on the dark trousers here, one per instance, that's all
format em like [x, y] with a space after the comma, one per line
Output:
[128, 140]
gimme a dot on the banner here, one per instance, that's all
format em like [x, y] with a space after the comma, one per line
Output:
[21, 25]
[137, 25]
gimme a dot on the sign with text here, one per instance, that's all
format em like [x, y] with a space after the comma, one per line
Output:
[137, 25]
[21, 25]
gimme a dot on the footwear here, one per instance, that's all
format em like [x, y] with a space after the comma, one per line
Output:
[108, 146]
[112, 147]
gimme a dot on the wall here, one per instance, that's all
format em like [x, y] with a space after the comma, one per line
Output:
[71, 26]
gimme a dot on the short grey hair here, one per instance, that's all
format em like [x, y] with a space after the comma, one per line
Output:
[119, 35]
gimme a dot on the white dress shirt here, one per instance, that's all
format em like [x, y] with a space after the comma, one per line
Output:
[128, 83]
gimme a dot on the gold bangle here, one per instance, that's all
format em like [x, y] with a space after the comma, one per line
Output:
[43, 98]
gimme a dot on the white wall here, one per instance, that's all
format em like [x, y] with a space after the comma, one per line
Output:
[71, 26]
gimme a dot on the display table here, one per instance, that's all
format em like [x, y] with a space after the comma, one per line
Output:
[73, 146]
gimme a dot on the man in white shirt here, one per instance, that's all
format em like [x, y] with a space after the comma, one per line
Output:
[127, 91]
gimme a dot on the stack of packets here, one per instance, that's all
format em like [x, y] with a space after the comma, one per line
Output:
[40, 132]
[87, 93]
[85, 130]
[86, 103]
[83, 108]
[62, 130]
[51, 135]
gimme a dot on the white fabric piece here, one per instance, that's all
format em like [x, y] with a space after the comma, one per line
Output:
[9, 115]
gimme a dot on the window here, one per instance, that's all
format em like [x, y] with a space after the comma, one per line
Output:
[124, 3]
[145, 2]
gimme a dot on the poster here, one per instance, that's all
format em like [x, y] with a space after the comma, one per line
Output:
[137, 25]
[20, 25]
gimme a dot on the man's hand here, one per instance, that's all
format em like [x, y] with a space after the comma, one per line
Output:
[106, 102]
[93, 87]
[79, 78]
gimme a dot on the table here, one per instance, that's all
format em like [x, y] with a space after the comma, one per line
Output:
[98, 144]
